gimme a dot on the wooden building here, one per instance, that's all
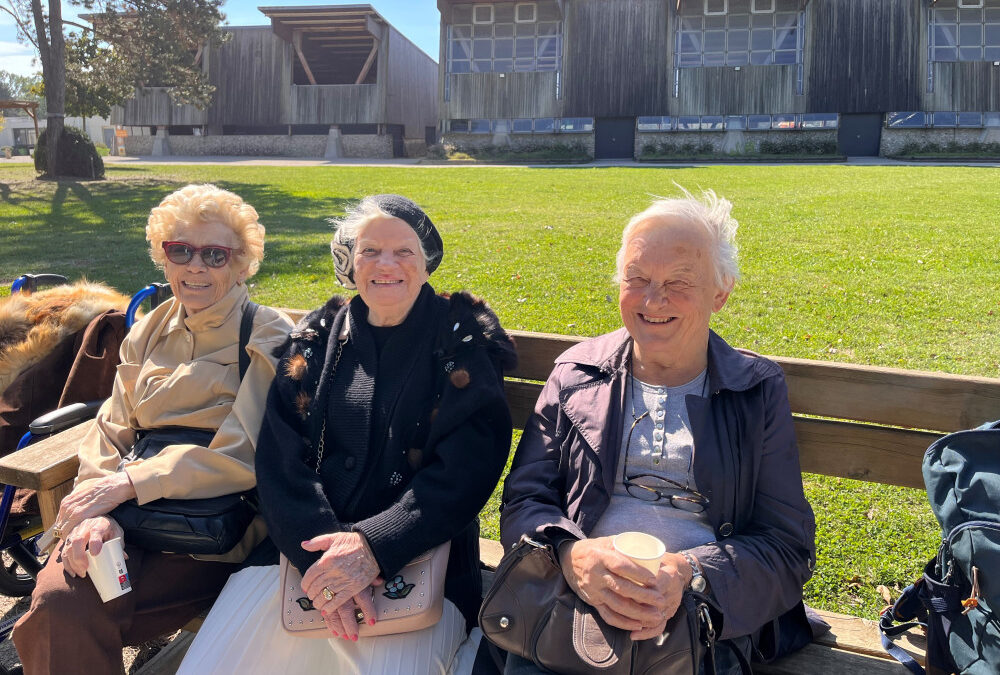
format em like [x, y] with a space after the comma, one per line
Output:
[339, 74]
[610, 73]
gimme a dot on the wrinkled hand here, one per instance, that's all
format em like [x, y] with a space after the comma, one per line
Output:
[88, 535]
[93, 499]
[625, 594]
[348, 569]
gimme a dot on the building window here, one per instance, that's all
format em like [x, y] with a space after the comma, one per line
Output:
[820, 120]
[525, 12]
[991, 119]
[689, 123]
[482, 14]
[576, 124]
[747, 32]
[962, 30]
[906, 120]
[711, 123]
[736, 122]
[541, 125]
[545, 125]
[521, 126]
[782, 121]
[716, 7]
[656, 123]
[524, 37]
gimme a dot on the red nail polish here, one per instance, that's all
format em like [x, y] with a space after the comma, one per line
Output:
[371, 622]
[323, 612]
[336, 634]
[355, 638]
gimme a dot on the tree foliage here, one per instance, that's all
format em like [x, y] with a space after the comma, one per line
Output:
[129, 43]
[150, 44]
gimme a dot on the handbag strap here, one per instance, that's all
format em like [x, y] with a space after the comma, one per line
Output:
[246, 327]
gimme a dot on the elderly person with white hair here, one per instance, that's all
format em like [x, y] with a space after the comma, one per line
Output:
[179, 384]
[662, 427]
[385, 434]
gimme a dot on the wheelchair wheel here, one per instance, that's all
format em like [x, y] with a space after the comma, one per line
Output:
[15, 581]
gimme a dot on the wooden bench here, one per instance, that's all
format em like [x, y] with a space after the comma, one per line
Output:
[858, 422]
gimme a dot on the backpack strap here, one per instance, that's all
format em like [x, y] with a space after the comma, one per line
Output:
[246, 327]
[906, 608]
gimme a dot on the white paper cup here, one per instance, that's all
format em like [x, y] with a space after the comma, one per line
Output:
[108, 572]
[643, 549]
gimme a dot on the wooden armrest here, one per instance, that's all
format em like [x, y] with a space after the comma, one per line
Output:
[47, 463]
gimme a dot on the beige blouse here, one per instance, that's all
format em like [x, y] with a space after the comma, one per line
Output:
[180, 370]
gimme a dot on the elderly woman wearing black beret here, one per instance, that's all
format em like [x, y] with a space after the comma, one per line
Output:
[385, 433]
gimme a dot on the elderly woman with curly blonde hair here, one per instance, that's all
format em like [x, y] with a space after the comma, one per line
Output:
[179, 370]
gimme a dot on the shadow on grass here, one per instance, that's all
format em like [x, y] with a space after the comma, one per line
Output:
[97, 229]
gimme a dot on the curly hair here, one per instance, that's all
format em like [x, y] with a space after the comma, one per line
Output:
[200, 204]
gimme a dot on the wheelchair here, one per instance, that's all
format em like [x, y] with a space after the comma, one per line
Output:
[20, 559]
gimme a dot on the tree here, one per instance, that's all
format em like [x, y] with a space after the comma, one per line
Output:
[129, 43]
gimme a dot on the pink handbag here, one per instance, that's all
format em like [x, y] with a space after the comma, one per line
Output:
[411, 600]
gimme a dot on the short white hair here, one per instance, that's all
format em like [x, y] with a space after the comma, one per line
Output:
[711, 212]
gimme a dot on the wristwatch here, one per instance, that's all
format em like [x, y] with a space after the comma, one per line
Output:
[698, 582]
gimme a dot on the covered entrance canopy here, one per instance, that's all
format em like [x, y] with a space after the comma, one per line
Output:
[334, 44]
[30, 107]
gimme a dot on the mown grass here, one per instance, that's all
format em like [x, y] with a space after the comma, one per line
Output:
[891, 266]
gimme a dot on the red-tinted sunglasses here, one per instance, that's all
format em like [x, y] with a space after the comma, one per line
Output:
[181, 253]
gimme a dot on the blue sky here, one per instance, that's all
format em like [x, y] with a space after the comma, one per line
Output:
[418, 20]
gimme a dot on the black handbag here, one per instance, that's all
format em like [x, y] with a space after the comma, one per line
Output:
[531, 611]
[203, 526]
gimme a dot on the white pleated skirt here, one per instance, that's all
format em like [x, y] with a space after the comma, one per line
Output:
[243, 634]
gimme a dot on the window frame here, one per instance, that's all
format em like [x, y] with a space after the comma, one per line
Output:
[475, 11]
[725, 8]
[534, 12]
[754, 10]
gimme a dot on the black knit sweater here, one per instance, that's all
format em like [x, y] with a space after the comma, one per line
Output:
[416, 437]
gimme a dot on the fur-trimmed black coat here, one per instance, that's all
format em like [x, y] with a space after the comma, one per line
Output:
[416, 436]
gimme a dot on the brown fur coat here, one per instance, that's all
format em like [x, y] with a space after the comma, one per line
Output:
[31, 326]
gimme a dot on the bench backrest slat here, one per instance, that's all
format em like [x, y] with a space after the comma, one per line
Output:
[903, 398]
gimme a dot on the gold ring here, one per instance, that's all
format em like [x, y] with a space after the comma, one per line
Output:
[57, 532]
[327, 593]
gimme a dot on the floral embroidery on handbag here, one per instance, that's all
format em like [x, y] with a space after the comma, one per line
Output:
[397, 588]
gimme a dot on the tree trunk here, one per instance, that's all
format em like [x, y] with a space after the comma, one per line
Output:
[52, 51]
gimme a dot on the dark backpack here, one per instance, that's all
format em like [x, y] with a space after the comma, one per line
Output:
[958, 598]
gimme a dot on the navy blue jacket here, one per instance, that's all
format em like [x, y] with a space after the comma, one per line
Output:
[746, 462]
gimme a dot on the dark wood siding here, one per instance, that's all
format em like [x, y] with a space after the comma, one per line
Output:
[335, 104]
[494, 96]
[411, 86]
[727, 91]
[971, 85]
[152, 105]
[865, 55]
[616, 58]
[252, 73]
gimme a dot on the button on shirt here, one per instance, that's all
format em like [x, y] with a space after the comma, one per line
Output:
[662, 445]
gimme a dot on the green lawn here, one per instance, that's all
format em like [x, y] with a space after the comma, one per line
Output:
[891, 266]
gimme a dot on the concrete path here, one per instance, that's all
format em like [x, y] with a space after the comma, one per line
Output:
[174, 160]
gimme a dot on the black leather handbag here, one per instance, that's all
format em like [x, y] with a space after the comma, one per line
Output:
[531, 611]
[205, 526]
